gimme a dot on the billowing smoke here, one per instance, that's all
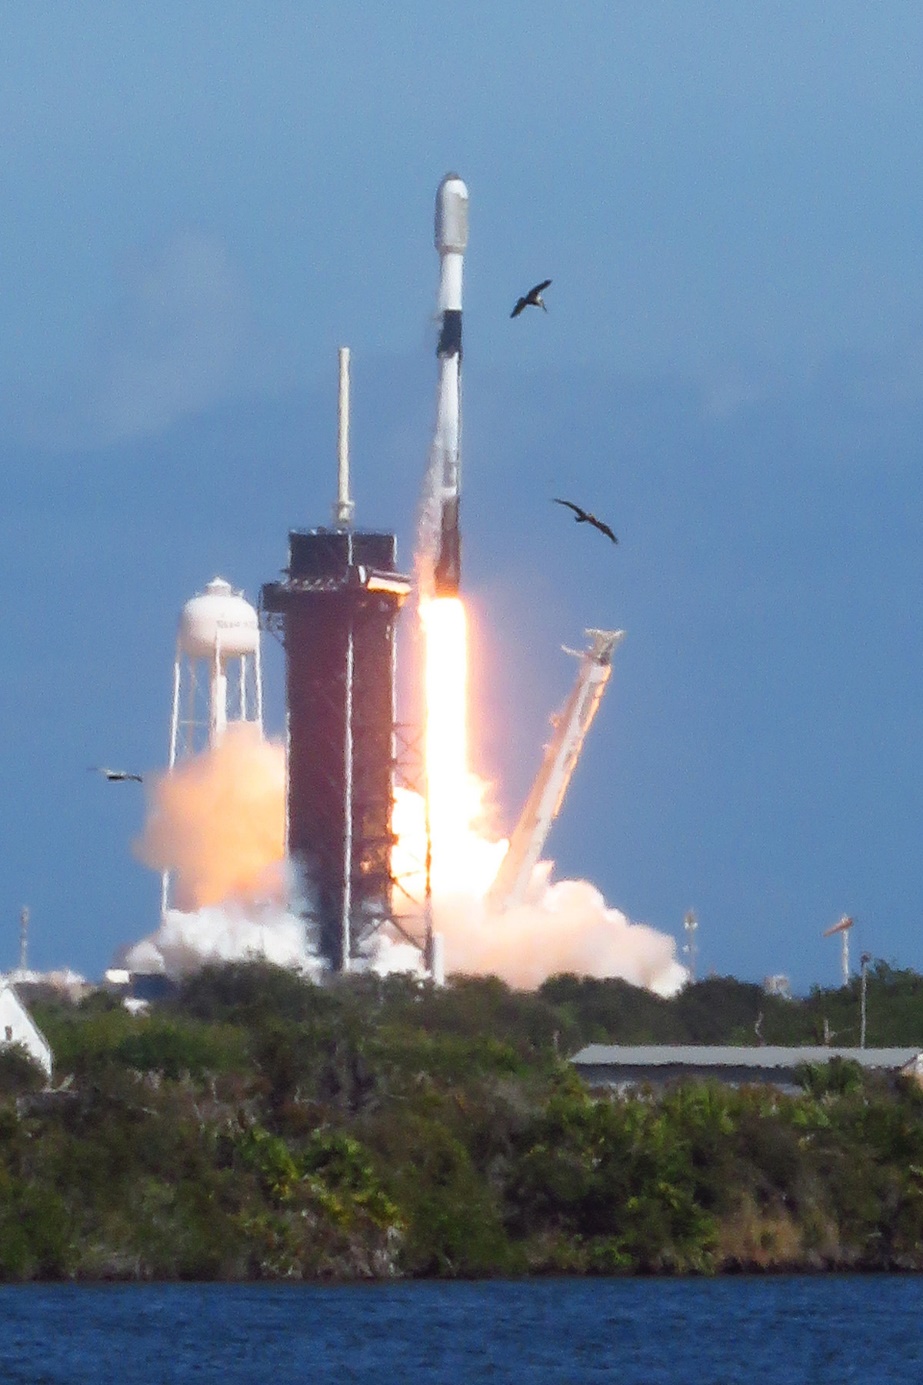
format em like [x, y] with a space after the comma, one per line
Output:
[564, 926]
[230, 932]
[569, 928]
[217, 822]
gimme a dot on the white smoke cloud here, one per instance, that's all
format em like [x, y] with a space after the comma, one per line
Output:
[563, 925]
[233, 932]
[426, 549]
[568, 928]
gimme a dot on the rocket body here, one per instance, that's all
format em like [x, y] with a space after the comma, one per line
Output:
[451, 236]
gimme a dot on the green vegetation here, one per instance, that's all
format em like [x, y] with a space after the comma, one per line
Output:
[257, 1126]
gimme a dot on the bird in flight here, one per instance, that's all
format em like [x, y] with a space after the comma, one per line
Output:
[115, 776]
[533, 299]
[584, 517]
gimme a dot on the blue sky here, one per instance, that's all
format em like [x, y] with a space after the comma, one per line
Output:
[204, 200]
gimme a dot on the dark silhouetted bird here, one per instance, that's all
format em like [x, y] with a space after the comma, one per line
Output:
[115, 776]
[533, 299]
[584, 517]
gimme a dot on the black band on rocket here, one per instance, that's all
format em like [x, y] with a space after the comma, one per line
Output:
[450, 338]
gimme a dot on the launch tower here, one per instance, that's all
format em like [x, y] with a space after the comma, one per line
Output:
[335, 608]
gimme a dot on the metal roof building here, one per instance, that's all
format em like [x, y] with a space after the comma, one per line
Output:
[618, 1066]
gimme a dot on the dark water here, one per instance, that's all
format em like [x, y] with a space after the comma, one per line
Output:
[825, 1331]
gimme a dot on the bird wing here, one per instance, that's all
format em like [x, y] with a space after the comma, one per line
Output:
[520, 304]
[540, 288]
[581, 514]
[603, 528]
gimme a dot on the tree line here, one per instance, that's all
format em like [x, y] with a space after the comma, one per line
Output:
[254, 1125]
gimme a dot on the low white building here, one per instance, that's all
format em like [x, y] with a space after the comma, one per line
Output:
[621, 1067]
[18, 1027]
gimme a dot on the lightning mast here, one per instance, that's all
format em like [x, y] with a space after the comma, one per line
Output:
[543, 804]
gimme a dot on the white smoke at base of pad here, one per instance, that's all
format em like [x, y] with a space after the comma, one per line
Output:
[565, 926]
[569, 928]
[221, 933]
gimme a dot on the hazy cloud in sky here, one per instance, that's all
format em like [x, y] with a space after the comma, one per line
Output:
[179, 338]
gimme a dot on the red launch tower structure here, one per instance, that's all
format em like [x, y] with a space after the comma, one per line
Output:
[336, 608]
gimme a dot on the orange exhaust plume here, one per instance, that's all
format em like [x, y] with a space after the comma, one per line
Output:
[218, 822]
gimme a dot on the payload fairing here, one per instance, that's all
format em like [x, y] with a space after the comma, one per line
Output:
[451, 239]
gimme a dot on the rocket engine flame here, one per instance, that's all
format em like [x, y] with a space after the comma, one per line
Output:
[461, 851]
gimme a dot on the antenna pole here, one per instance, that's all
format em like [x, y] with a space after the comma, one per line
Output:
[864, 964]
[23, 938]
[343, 509]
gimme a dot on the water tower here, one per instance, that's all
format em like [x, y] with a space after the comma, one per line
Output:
[217, 679]
[216, 672]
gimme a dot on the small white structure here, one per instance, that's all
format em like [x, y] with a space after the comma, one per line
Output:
[18, 1027]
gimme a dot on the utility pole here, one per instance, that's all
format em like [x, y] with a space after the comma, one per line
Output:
[864, 964]
[23, 937]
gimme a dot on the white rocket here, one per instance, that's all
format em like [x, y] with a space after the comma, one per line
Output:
[451, 239]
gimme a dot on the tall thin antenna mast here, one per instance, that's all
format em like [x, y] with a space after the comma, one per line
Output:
[343, 509]
[864, 963]
[24, 938]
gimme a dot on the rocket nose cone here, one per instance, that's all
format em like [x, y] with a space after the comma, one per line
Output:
[451, 215]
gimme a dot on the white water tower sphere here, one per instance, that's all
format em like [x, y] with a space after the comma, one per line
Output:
[219, 620]
[216, 673]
